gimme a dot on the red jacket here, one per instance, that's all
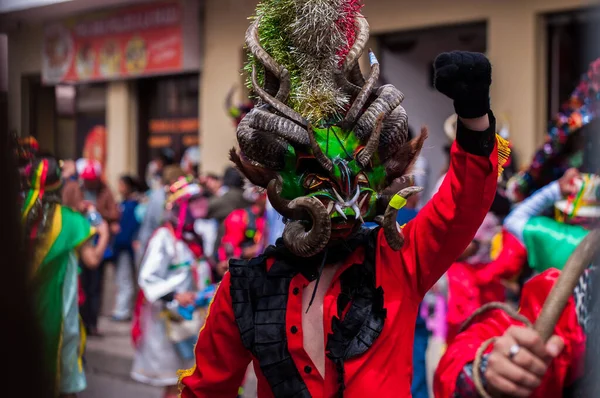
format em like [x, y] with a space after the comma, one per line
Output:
[562, 372]
[434, 239]
[471, 286]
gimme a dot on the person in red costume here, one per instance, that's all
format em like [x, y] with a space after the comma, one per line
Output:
[518, 363]
[320, 351]
[244, 232]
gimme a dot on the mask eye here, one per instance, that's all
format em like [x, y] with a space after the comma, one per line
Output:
[311, 181]
[361, 179]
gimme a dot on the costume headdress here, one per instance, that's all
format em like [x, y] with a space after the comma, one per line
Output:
[581, 109]
[42, 191]
[329, 145]
[586, 203]
[178, 197]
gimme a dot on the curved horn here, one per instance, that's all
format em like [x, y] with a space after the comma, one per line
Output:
[388, 99]
[275, 103]
[365, 93]
[362, 36]
[392, 233]
[308, 243]
[318, 153]
[261, 146]
[364, 157]
[253, 43]
[356, 76]
[284, 128]
[281, 204]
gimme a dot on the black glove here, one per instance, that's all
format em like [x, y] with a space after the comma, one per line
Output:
[465, 77]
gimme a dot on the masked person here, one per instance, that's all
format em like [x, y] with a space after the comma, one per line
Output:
[58, 236]
[171, 274]
[330, 310]
[518, 363]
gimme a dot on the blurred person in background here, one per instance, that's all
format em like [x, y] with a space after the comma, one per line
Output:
[91, 196]
[23, 336]
[190, 161]
[154, 171]
[244, 231]
[213, 184]
[152, 211]
[57, 237]
[275, 224]
[229, 197]
[130, 190]
[171, 273]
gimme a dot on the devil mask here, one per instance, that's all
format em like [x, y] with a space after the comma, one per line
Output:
[329, 145]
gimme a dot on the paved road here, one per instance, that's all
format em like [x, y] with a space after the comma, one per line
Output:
[103, 386]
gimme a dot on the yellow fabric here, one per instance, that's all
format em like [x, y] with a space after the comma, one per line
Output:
[503, 153]
[44, 248]
[82, 341]
[496, 246]
[397, 202]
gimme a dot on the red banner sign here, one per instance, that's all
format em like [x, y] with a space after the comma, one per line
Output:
[137, 41]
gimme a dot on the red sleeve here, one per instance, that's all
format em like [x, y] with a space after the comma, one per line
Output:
[447, 224]
[510, 261]
[561, 372]
[235, 228]
[221, 358]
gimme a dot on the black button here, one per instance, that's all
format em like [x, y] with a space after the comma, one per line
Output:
[296, 291]
[294, 329]
[307, 369]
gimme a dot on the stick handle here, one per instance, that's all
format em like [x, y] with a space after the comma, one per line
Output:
[566, 283]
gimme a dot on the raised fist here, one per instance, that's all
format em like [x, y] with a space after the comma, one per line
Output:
[465, 77]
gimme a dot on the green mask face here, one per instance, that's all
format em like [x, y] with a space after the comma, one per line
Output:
[347, 189]
[330, 147]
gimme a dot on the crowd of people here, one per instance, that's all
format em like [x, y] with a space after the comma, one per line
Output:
[318, 258]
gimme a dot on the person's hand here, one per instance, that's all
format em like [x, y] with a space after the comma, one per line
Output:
[465, 77]
[136, 245]
[222, 267]
[102, 229]
[185, 299]
[519, 361]
[567, 182]
[115, 228]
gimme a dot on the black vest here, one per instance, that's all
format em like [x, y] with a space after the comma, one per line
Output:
[259, 300]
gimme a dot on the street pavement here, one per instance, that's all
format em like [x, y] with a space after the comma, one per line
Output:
[106, 386]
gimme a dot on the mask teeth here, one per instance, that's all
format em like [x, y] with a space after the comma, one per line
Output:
[338, 208]
[329, 207]
[337, 195]
[357, 213]
[362, 201]
[354, 199]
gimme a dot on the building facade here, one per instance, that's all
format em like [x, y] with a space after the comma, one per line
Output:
[516, 41]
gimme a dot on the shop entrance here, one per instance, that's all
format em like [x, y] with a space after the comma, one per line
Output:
[407, 62]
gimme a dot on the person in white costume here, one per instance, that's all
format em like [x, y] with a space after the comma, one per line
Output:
[172, 272]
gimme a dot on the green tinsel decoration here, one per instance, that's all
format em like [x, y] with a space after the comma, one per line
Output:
[303, 36]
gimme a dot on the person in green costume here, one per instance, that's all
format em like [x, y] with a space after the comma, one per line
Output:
[549, 242]
[57, 236]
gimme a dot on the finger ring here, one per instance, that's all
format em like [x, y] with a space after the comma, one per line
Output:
[514, 350]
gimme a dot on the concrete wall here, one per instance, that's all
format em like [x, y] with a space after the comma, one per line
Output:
[515, 46]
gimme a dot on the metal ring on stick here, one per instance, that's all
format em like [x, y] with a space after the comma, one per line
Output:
[555, 303]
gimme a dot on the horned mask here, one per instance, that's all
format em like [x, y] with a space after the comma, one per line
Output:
[329, 145]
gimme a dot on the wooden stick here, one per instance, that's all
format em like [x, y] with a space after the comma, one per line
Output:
[566, 283]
